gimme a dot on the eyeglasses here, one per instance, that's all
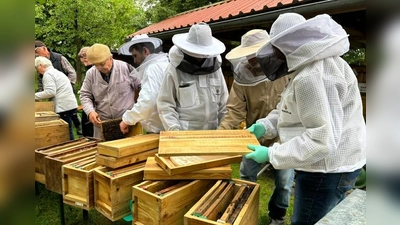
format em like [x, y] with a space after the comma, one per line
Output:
[82, 56]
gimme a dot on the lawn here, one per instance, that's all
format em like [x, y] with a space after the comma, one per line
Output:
[47, 206]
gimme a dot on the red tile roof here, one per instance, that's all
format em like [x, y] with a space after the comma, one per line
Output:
[215, 12]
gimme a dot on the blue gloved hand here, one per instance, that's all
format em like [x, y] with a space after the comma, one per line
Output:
[257, 129]
[259, 155]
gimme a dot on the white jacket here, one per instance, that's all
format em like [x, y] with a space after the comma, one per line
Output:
[58, 87]
[151, 71]
[319, 118]
[191, 102]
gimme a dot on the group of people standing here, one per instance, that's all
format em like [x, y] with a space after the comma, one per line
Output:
[291, 87]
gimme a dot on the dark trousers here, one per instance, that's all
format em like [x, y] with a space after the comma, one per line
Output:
[317, 193]
[67, 117]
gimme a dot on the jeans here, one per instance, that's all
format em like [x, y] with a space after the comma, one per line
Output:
[67, 117]
[280, 198]
[317, 193]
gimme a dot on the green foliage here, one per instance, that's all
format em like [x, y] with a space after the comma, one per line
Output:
[356, 57]
[158, 10]
[67, 25]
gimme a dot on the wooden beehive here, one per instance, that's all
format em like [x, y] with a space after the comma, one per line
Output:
[129, 146]
[51, 132]
[53, 166]
[205, 142]
[46, 116]
[113, 189]
[57, 149]
[152, 171]
[44, 106]
[183, 164]
[77, 183]
[114, 162]
[236, 205]
[166, 202]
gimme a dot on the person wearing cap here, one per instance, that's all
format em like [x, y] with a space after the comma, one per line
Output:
[252, 97]
[152, 62]
[59, 62]
[57, 87]
[87, 127]
[83, 57]
[193, 94]
[319, 119]
[108, 89]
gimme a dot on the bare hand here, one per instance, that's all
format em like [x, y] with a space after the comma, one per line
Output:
[94, 118]
[124, 127]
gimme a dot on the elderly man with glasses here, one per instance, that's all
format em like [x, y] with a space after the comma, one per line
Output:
[108, 89]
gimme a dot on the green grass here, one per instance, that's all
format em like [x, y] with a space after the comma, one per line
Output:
[47, 206]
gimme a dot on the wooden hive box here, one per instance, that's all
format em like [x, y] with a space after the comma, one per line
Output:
[50, 132]
[183, 164]
[205, 142]
[152, 171]
[166, 202]
[53, 166]
[113, 189]
[77, 183]
[46, 116]
[57, 149]
[129, 146]
[44, 106]
[219, 204]
[114, 162]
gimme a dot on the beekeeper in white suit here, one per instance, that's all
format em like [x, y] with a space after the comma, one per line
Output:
[152, 62]
[319, 118]
[193, 94]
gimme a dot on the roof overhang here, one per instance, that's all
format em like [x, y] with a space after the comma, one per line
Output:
[308, 9]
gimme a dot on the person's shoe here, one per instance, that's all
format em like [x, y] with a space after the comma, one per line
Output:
[277, 222]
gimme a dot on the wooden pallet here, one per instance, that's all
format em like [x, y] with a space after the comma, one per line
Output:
[152, 171]
[174, 165]
[205, 142]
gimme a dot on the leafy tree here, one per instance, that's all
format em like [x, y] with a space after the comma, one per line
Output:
[67, 25]
[158, 10]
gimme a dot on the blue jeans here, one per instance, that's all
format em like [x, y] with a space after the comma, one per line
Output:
[280, 198]
[67, 117]
[317, 193]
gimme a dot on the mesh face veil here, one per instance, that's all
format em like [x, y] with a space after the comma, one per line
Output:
[272, 63]
[247, 73]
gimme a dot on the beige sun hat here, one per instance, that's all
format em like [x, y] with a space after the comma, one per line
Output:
[98, 53]
[199, 41]
[250, 43]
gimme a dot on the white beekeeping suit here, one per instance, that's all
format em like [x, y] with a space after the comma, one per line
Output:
[193, 97]
[321, 108]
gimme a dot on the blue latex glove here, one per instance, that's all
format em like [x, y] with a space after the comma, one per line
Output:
[259, 155]
[257, 129]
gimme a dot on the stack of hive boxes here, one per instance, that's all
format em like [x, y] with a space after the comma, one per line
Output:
[188, 168]
[123, 164]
